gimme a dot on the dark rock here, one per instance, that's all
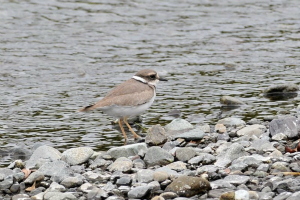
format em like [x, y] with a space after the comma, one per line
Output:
[15, 188]
[283, 91]
[156, 135]
[157, 156]
[188, 186]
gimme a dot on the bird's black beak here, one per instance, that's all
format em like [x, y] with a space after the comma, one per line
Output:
[162, 79]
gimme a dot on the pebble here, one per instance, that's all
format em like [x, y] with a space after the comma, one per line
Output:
[128, 150]
[178, 125]
[230, 101]
[76, 156]
[121, 164]
[157, 156]
[247, 163]
[156, 135]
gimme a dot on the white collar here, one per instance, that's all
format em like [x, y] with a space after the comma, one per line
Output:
[139, 79]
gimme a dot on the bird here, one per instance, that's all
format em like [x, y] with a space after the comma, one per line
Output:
[130, 98]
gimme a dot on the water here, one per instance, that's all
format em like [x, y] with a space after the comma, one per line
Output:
[57, 56]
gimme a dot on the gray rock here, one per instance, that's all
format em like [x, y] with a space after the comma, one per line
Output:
[295, 166]
[121, 164]
[7, 182]
[237, 179]
[251, 130]
[139, 163]
[59, 196]
[194, 134]
[204, 158]
[283, 196]
[19, 176]
[128, 150]
[92, 177]
[263, 167]
[279, 137]
[55, 187]
[234, 151]
[262, 145]
[186, 153]
[97, 194]
[177, 166]
[178, 125]
[35, 176]
[207, 169]
[154, 186]
[220, 183]
[167, 170]
[70, 182]
[156, 135]
[15, 188]
[216, 193]
[266, 196]
[58, 170]
[282, 88]
[86, 187]
[21, 197]
[280, 167]
[125, 180]
[158, 156]
[76, 156]
[230, 101]
[205, 128]
[139, 192]
[145, 175]
[242, 195]
[160, 176]
[169, 195]
[4, 172]
[99, 162]
[188, 186]
[42, 155]
[286, 125]
[245, 161]
[232, 122]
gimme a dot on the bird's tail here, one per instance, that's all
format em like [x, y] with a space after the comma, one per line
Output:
[87, 108]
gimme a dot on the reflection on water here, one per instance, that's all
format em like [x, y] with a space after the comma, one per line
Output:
[57, 56]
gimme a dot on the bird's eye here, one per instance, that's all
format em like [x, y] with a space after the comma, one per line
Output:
[153, 76]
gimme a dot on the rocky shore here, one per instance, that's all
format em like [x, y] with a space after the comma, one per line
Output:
[230, 160]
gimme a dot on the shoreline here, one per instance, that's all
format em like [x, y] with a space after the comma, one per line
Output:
[230, 160]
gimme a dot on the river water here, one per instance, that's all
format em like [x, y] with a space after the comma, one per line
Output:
[57, 56]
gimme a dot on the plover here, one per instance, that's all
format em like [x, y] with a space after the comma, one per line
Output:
[130, 98]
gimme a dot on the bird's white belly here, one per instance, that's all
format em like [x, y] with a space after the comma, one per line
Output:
[127, 111]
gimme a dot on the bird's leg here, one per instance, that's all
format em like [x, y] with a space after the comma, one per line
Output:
[132, 131]
[122, 129]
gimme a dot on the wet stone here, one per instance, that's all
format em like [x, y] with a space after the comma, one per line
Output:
[230, 101]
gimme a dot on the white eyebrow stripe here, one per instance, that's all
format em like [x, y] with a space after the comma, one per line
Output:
[139, 79]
